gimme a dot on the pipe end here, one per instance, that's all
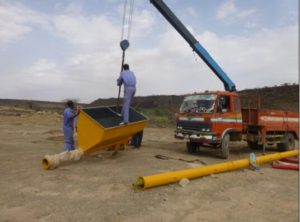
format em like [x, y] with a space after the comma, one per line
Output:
[46, 164]
[139, 183]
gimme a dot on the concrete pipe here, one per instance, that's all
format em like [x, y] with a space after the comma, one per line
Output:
[51, 162]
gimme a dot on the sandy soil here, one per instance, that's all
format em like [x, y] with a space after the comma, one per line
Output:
[98, 187]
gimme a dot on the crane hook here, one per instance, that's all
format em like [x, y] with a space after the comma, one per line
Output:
[124, 44]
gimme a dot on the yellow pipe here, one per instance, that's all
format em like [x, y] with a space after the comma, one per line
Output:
[172, 177]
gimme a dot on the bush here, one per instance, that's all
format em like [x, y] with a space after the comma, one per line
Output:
[163, 120]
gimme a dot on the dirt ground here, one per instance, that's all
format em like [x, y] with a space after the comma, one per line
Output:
[99, 187]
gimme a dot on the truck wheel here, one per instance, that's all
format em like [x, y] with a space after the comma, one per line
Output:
[192, 147]
[225, 147]
[254, 145]
[288, 143]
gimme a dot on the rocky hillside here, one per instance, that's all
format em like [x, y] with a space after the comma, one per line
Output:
[284, 97]
[33, 104]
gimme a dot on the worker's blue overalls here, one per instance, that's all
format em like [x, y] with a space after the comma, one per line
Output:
[128, 78]
[68, 128]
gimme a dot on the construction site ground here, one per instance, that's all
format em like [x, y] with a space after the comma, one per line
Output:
[99, 187]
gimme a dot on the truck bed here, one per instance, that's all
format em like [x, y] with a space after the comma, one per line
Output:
[271, 120]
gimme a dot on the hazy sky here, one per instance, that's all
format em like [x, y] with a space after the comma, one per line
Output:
[53, 49]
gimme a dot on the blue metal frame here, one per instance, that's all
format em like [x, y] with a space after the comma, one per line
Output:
[196, 46]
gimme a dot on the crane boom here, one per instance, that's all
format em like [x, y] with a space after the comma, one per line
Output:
[196, 46]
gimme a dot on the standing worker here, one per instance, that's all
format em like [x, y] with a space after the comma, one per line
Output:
[136, 140]
[68, 125]
[128, 78]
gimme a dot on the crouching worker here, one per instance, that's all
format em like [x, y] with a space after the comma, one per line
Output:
[68, 125]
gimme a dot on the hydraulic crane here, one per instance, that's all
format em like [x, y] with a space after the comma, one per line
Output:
[212, 119]
[196, 46]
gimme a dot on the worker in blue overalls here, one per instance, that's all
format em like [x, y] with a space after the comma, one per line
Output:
[127, 78]
[68, 125]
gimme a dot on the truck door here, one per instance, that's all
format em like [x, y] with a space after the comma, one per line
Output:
[225, 117]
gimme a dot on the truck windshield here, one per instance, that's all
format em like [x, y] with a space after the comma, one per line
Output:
[203, 103]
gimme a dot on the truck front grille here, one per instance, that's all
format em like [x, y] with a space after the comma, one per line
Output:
[194, 126]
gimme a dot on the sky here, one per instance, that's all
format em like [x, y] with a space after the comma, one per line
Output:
[54, 50]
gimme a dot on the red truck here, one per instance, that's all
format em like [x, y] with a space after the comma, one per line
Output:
[212, 119]
[215, 118]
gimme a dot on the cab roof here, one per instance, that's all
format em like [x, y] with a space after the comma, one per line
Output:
[225, 93]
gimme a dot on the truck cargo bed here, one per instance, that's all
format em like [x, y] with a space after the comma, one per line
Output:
[271, 120]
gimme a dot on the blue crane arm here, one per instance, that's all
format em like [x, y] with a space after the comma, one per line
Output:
[196, 46]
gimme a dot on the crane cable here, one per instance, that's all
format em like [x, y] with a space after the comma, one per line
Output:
[124, 44]
[127, 18]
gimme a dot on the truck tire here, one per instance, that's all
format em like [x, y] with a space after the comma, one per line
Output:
[192, 147]
[225, 147]
[288, 143]
[254, 145]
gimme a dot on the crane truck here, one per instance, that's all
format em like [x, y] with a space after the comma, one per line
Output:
[214, 118]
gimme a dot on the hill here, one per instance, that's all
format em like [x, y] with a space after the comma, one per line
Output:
[284, 97]
[33, 104]
[161, 108]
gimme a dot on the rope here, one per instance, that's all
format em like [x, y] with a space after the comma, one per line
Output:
[162, 157]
